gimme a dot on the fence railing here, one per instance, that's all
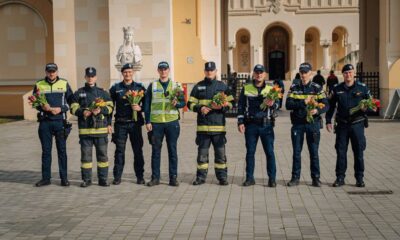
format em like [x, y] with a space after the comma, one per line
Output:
[235, 84]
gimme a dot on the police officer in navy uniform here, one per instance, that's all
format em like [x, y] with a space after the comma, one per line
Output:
[162, 119]
[52, 122]
[125, 125]
[93, 127]
[298, 97]
[345, 96]
[257, 123]
[210, 124]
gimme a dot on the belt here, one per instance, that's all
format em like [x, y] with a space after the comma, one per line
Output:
[350, 121]
[257, 120]
[124, 120]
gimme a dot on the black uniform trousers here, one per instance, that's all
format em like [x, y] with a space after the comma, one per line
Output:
[354, 133]
[134, 131]
[100, 144]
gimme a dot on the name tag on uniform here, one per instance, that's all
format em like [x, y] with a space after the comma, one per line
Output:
[119, 91]
[82, 95]
[340, 92]
[201, 88]
[157, 90]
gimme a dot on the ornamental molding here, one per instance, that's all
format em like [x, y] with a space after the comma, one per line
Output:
[256, 8]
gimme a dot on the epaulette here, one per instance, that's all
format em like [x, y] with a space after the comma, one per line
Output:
[360, 83]
[316, 84]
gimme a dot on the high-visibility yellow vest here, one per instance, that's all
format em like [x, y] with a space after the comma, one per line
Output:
[161, 108]
[251, 91]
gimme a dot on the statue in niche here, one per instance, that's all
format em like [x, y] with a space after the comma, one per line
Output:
[129, 52]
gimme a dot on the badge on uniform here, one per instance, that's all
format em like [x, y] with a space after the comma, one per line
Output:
[82, 95]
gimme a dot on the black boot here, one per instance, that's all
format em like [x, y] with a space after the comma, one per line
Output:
[360, 183]
[316, 182]
[103, 183]
[199, 181]
[248, 182]
[43, 182]
[223, 182]
[140, 181]
[271, 183]
[173, 181]
[64, 182]
[153, 182]
[116, 181]
[86, 183]
[338, 182]
[293, 182]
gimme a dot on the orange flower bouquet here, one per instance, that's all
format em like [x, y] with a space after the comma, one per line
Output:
[274, 94]
[134, 97]
[311, 105]
[97, 103]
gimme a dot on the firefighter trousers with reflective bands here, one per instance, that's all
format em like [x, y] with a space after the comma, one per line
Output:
[48, 129]
[100, 144]
[204, 142]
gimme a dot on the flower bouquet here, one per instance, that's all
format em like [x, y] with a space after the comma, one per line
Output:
[37, 99]
[274, 94]
[311, 105]
[97, 103]
[134, 97]
[176, 94]
[220, 99]
[370, 103]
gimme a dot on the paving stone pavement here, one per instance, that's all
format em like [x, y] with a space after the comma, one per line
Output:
[209, 211]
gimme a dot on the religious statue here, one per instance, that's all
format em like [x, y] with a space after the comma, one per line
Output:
[129, 52]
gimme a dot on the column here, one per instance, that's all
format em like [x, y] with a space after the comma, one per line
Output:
[327, 60]
[232, 45]
[64, 40]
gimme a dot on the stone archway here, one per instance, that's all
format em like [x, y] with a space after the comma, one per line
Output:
[338, 48]
[312, 48]
[242, 59]
[24, 35]
[276, 42]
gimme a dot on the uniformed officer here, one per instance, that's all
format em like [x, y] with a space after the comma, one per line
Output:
[210, 124]
[52, 122]
[162, 119]
[125, 125]
[93, 129]
[257, 123]
[298, 97]
[345, 96]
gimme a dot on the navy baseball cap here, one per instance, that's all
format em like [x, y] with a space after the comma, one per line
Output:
[347, 67]
[163, 65]
[127, 66]
[259, 68]
[51, 67]
[90, 72]
[305, 67]
[209, 66]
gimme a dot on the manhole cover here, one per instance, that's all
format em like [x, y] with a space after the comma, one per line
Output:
[378, 192]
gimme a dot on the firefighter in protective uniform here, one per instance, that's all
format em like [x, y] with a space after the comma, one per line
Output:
[93, 127]
[349, 127]
[52, 122]
[256, 123]
[210, 124]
